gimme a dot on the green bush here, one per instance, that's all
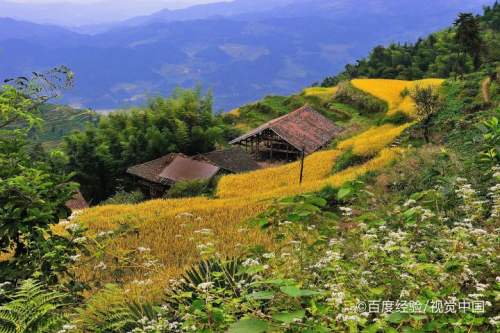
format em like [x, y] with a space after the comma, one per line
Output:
[366, 103]
[398, 118]
[405, 92]
[122, 197]
[189, 189]
[347, 160]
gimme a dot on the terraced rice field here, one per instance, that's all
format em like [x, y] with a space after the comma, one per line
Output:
[168, 235]
[390, 91]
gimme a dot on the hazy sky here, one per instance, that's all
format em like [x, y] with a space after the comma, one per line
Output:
[81, 12]
[168, 2]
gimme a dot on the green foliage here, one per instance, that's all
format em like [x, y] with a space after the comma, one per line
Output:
[253, 115]
[270, 107]
[31, 204]
[183, 123]
[249, 325]
[427, 102]
[32, 309]
[490, 130]
[360, 100]
[468, 37]
[398, 118]
[186, 189]
[118, 315]
[33, 192]
[15, 108]
[60, 121]
[348, 159]
[460, 120]
[222, 273]
[434, 166]
[122, 197]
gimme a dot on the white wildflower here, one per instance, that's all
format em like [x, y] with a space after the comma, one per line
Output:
[101, 266]
[205, 286]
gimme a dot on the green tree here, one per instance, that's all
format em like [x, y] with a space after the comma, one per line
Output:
[427, 101]
[473, 42]
[33, 187]
[183, 123]
[468, 37]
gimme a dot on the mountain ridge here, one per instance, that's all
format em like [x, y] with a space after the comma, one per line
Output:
[240, 57]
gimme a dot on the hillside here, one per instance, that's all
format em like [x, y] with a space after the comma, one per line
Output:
[59, 121]
[269, 184]
[142, 246]
[436, 55]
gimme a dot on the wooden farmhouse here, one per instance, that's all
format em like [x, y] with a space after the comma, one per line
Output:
[157, 176]
[303, 130]
[231, 160]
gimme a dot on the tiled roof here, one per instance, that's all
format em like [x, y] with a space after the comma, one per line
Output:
[151, 170]
[78, 202]
[184, 168]
[232, 159]
[303, 128]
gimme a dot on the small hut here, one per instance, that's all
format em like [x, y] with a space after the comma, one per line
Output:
[77, 202]
[301, 131]
[230, 160]
[157, 176]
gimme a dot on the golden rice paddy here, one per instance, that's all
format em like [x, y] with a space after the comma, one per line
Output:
[325, 94]
[390, 91]
[371, 141]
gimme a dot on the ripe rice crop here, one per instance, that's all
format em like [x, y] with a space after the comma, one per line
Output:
[325, 94]
[382, 159]
[390, 91]
[319, 166]
[170, 229]
[171, 232]
[373, 140]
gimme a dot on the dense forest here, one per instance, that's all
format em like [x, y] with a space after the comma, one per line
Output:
[184, 122]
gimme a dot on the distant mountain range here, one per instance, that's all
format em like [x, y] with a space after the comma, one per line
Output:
[87, 12]
[242, 50]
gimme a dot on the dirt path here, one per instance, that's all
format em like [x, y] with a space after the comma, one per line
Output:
[485, 87]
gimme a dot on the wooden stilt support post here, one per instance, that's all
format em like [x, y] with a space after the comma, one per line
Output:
[258, 145]
[302, 165]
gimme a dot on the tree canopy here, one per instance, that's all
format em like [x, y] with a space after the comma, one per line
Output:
[454, 51]
[184, 122]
